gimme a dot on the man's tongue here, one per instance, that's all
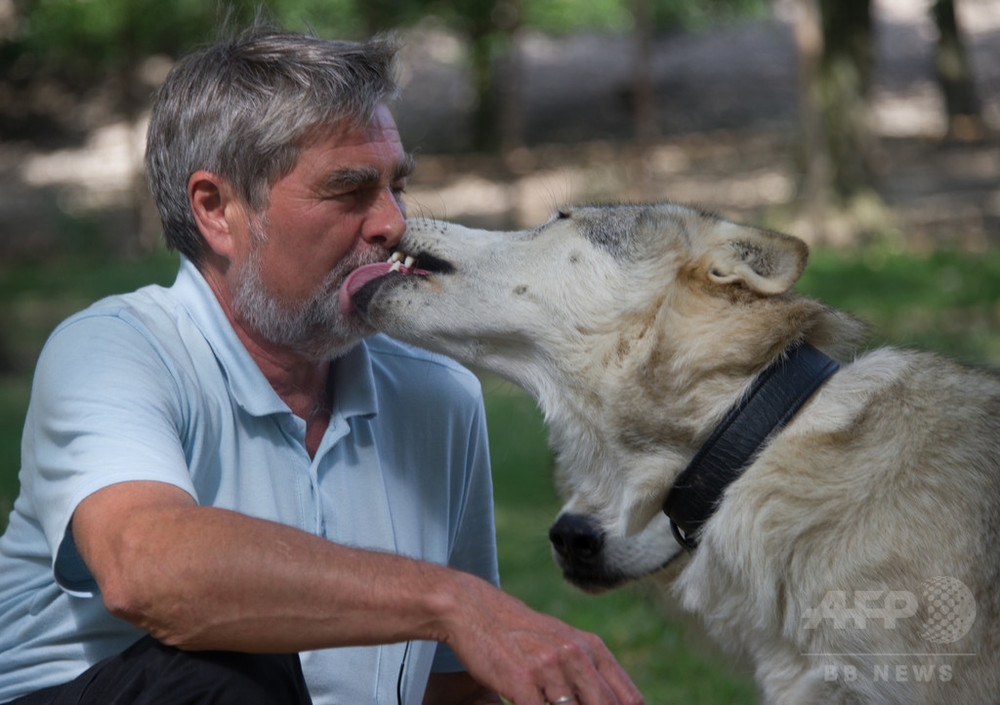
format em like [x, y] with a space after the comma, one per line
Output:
[364, 274]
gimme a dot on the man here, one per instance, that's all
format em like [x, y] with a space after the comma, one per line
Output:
[219, 476]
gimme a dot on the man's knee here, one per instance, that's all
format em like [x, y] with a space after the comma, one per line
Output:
[150, 673]
[239, 678]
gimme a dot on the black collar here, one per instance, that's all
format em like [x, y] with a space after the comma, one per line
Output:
[776, 394]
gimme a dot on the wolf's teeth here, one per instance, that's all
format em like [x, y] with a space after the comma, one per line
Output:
[395, 266]
[397, 256]
[409, 261]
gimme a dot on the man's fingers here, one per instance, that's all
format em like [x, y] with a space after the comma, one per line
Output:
[598, 677]
[583, 668]
[562, 699]
[616, 677]
[531, 658]
[562, 694]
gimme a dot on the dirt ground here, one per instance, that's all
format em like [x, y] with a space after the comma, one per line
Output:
[726, 122]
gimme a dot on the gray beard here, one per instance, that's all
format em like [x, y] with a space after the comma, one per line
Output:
[314, 329]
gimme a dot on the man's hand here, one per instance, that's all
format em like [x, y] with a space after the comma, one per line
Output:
[531, 658]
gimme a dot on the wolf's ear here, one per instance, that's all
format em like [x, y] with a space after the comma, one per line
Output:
[763, 261]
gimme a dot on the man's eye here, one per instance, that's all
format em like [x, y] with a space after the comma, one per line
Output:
[347, 195]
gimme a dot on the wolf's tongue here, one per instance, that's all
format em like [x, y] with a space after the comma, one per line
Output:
[364, 274]
[357, 279]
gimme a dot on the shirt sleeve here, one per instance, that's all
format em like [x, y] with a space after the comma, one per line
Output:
[474, 550]
[104, 409]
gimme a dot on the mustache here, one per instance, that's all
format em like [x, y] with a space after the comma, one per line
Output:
[357, 257]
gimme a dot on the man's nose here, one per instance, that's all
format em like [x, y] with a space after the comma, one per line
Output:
[386, 222]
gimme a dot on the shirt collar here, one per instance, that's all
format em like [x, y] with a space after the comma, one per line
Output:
[354, 392]
[352, 376]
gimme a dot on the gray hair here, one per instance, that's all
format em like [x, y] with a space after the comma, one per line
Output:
[243, 108]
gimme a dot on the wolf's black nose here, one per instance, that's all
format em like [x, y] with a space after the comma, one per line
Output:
[577, 538]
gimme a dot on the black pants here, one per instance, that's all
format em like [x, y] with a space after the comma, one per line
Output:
[149, 673]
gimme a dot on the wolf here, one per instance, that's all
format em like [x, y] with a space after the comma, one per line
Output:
[831, 515]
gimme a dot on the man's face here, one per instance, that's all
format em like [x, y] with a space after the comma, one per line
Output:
[338, 208]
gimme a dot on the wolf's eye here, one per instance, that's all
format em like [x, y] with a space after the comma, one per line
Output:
[558, 214]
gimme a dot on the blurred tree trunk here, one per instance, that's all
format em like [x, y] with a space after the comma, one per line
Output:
[954, 74]
[491, 28]
[845, 75]
[814, 190]
[484, 122]
[143, 231]
[639, 175]
[643, 117]
[510, 78]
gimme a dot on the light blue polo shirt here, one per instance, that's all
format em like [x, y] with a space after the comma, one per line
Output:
[155, 385]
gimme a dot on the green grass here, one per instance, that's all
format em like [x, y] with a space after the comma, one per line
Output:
[38, 295]
[944, 301]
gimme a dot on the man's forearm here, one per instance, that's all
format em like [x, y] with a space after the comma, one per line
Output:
[204, 578]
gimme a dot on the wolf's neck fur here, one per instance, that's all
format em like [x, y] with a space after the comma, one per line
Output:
[775, 397]
[676, 382]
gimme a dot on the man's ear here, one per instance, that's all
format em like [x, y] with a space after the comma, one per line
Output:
[762, 261]
[211, 198]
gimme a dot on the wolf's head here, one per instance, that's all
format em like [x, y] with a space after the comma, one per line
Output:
[634, 327]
